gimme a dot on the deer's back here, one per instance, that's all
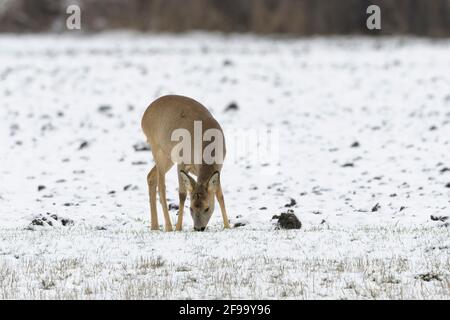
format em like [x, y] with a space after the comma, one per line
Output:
[171, 112]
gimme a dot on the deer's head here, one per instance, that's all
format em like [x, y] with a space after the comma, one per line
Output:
[202, 198]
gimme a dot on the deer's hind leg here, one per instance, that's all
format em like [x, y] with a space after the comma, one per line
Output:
[162, 166]
[152, 182]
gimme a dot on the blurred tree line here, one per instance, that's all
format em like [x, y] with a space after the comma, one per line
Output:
[299, 17]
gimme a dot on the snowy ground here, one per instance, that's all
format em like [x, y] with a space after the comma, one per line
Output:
[364, 138]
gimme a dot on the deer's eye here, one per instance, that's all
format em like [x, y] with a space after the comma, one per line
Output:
[206, 210]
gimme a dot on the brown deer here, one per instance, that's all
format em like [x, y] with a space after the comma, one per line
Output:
[165, 116]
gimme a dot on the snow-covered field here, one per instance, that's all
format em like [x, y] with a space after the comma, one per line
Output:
[364, 150]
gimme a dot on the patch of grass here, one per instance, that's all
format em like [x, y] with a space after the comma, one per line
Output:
[251, 264]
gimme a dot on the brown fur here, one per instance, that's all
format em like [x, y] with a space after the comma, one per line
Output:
[162, 117]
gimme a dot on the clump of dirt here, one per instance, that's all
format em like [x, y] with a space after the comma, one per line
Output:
[141, 146]
[429, 276]
[291, 204]
[439, 218]
[104, 108]
[445, 169]
[49, 220]
[83, 145]
[227, 62]
[239, 222]
[288, 220]
[376, 207]
[232, 107]
[348, 165]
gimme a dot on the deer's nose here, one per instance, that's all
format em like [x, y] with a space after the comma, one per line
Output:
[200, 229]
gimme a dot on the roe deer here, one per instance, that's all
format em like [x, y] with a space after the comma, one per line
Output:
[162, 118]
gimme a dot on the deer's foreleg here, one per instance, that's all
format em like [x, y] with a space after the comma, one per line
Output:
[219, 195]
[182, 195]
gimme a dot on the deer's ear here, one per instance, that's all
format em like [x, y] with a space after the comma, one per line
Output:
[187, 181]
[213, 182]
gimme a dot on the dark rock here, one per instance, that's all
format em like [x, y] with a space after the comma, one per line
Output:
[447, 185]
[355, 144]
[288, 220]
[263, 208]
[41, 187]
